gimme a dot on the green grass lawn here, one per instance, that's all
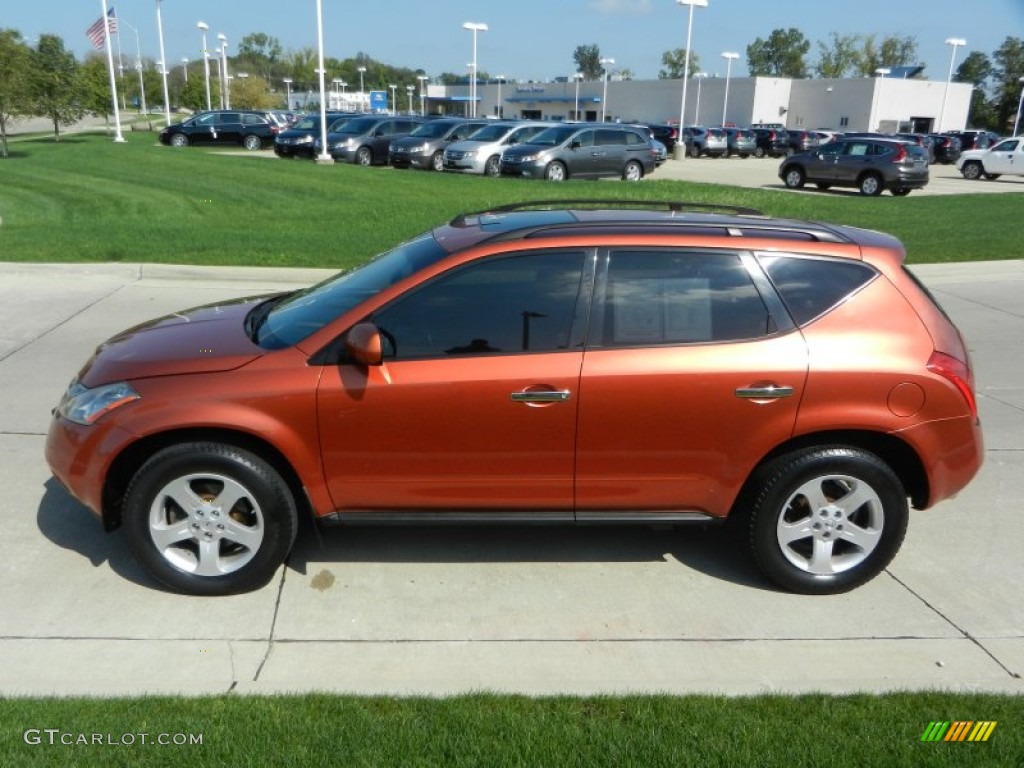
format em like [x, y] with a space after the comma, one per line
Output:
[491, 731]
[88, 199]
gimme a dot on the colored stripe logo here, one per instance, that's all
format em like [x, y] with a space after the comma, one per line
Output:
[959, 730]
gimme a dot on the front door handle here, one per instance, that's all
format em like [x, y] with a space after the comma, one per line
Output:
[540, 396]
[766, 392]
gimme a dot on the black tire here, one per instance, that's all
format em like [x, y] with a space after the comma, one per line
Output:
[794, 177]
[555, 171]
[759, 152]
[694, 150]
[492, 167]
[845, 545]
[633, 171]
[363, 156]
[870, 185]
[252, 537]
[437, 161]
[179, 140]
[972, 170]
[252, 143]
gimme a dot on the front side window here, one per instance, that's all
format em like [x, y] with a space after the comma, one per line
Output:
[679, 297]
[504, 305]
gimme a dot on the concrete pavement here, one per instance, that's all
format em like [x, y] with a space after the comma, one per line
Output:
[532, 610]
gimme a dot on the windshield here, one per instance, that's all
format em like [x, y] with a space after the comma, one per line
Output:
[356, 126]
[307, 123]
[491, 133]
[305, 312]
[552, 137]
[432, 130]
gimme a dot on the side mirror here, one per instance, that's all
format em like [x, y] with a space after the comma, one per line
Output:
[363, 344]
[575, 144]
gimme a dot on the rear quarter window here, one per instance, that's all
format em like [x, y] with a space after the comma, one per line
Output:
[811, 286]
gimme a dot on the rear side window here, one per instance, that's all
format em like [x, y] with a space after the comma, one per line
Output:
[679, 297]
[810, 287]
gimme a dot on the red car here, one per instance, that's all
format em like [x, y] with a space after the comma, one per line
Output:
[600, 363]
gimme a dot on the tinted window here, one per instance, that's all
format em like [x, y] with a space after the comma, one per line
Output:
[679, 297]
[228, 118]
[811, 287]
[607, 136]
[253, 120]
[501, 306]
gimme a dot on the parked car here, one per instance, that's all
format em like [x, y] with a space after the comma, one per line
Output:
[974, 139]
[250, 129]
[705, 141]
[946, 147]
[556, 364]
[481, 152]
[922, 139]
[740, 141]
[666, 134]
[583, 151]
[801, 140]
[771, 142]
[424, 147]
[870, 165]
[298, 141]
[366, 140]
[1006, 157]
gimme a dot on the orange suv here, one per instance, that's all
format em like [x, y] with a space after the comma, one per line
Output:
[574, 361]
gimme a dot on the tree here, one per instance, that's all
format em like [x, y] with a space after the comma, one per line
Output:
[14, 67]
[839, 57]
[251, 92]
[891, 52]
[976, 69]
[94, 87]
[54, 82]
[259, 53]
[1009, 64]
[193, 93]
[674, 63]
[781, 55]
[588, 61]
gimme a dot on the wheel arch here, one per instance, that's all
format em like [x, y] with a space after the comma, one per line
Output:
[899, 455]
[128, 462]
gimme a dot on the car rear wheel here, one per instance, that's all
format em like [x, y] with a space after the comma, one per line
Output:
[827, 519]
[364, 156]
[209, 518]
[870, 185]
[492, 167]
[992, 176]
[824, 187]
[794, 177]
[694, 150]
[633, 171]
[759, 152]
[179, 140]
[252, 143]
[902, 192]
[972, 170]
[437, 161]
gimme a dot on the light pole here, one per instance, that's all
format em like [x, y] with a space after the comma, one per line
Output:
[362, 71]
[953, 42]
[203, 26]
[184, 69]
[288, 93]
[423, 94]
[875, 94]
[700, 79]
[324, 158]
[604, 92]
[577, 76]
[163, 64]
[681, 151]
[226, 97]
[1020, 103]
[408, 92]
[394, 98]
[474, 27]
[499, 78]
[729, 57]
[138, 67]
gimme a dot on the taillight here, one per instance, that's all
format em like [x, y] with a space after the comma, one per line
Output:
[958, 373]
[901, 154]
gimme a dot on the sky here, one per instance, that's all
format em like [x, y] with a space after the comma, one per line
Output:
[526, 39]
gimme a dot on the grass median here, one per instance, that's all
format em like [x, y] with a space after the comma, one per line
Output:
[88, 199]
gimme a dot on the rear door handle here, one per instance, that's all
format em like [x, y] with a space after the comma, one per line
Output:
[542, 396]
[766, 392]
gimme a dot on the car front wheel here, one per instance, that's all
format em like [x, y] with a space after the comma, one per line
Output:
[209, 518]
[364, 156]
[827, 519]
[794, 178]
[252, 143]
[179, 140]
[492, 167]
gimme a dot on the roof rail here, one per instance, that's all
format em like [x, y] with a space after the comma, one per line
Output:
[668, 205]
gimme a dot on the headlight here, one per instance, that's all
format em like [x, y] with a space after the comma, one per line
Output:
[528, 158]
[418, 150]
[304, 140]
[85, 406]
[469, 153]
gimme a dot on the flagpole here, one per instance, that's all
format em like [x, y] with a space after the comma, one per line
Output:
[163, 64]
[110, 69]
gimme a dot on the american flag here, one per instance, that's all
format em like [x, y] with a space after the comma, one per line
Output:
[95, 32]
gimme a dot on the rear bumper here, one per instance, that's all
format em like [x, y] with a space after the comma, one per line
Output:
[954, 450]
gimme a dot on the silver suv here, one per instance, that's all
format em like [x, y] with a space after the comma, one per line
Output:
[481, 152]
[582, 151]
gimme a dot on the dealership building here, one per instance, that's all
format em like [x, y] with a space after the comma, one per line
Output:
[889, 103]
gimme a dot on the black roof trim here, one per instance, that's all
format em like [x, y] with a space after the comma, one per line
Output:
[674, 206]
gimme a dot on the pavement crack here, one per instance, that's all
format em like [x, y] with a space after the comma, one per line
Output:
[967, 635]
[990, 396]
[273, 622]
[1001, 310]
